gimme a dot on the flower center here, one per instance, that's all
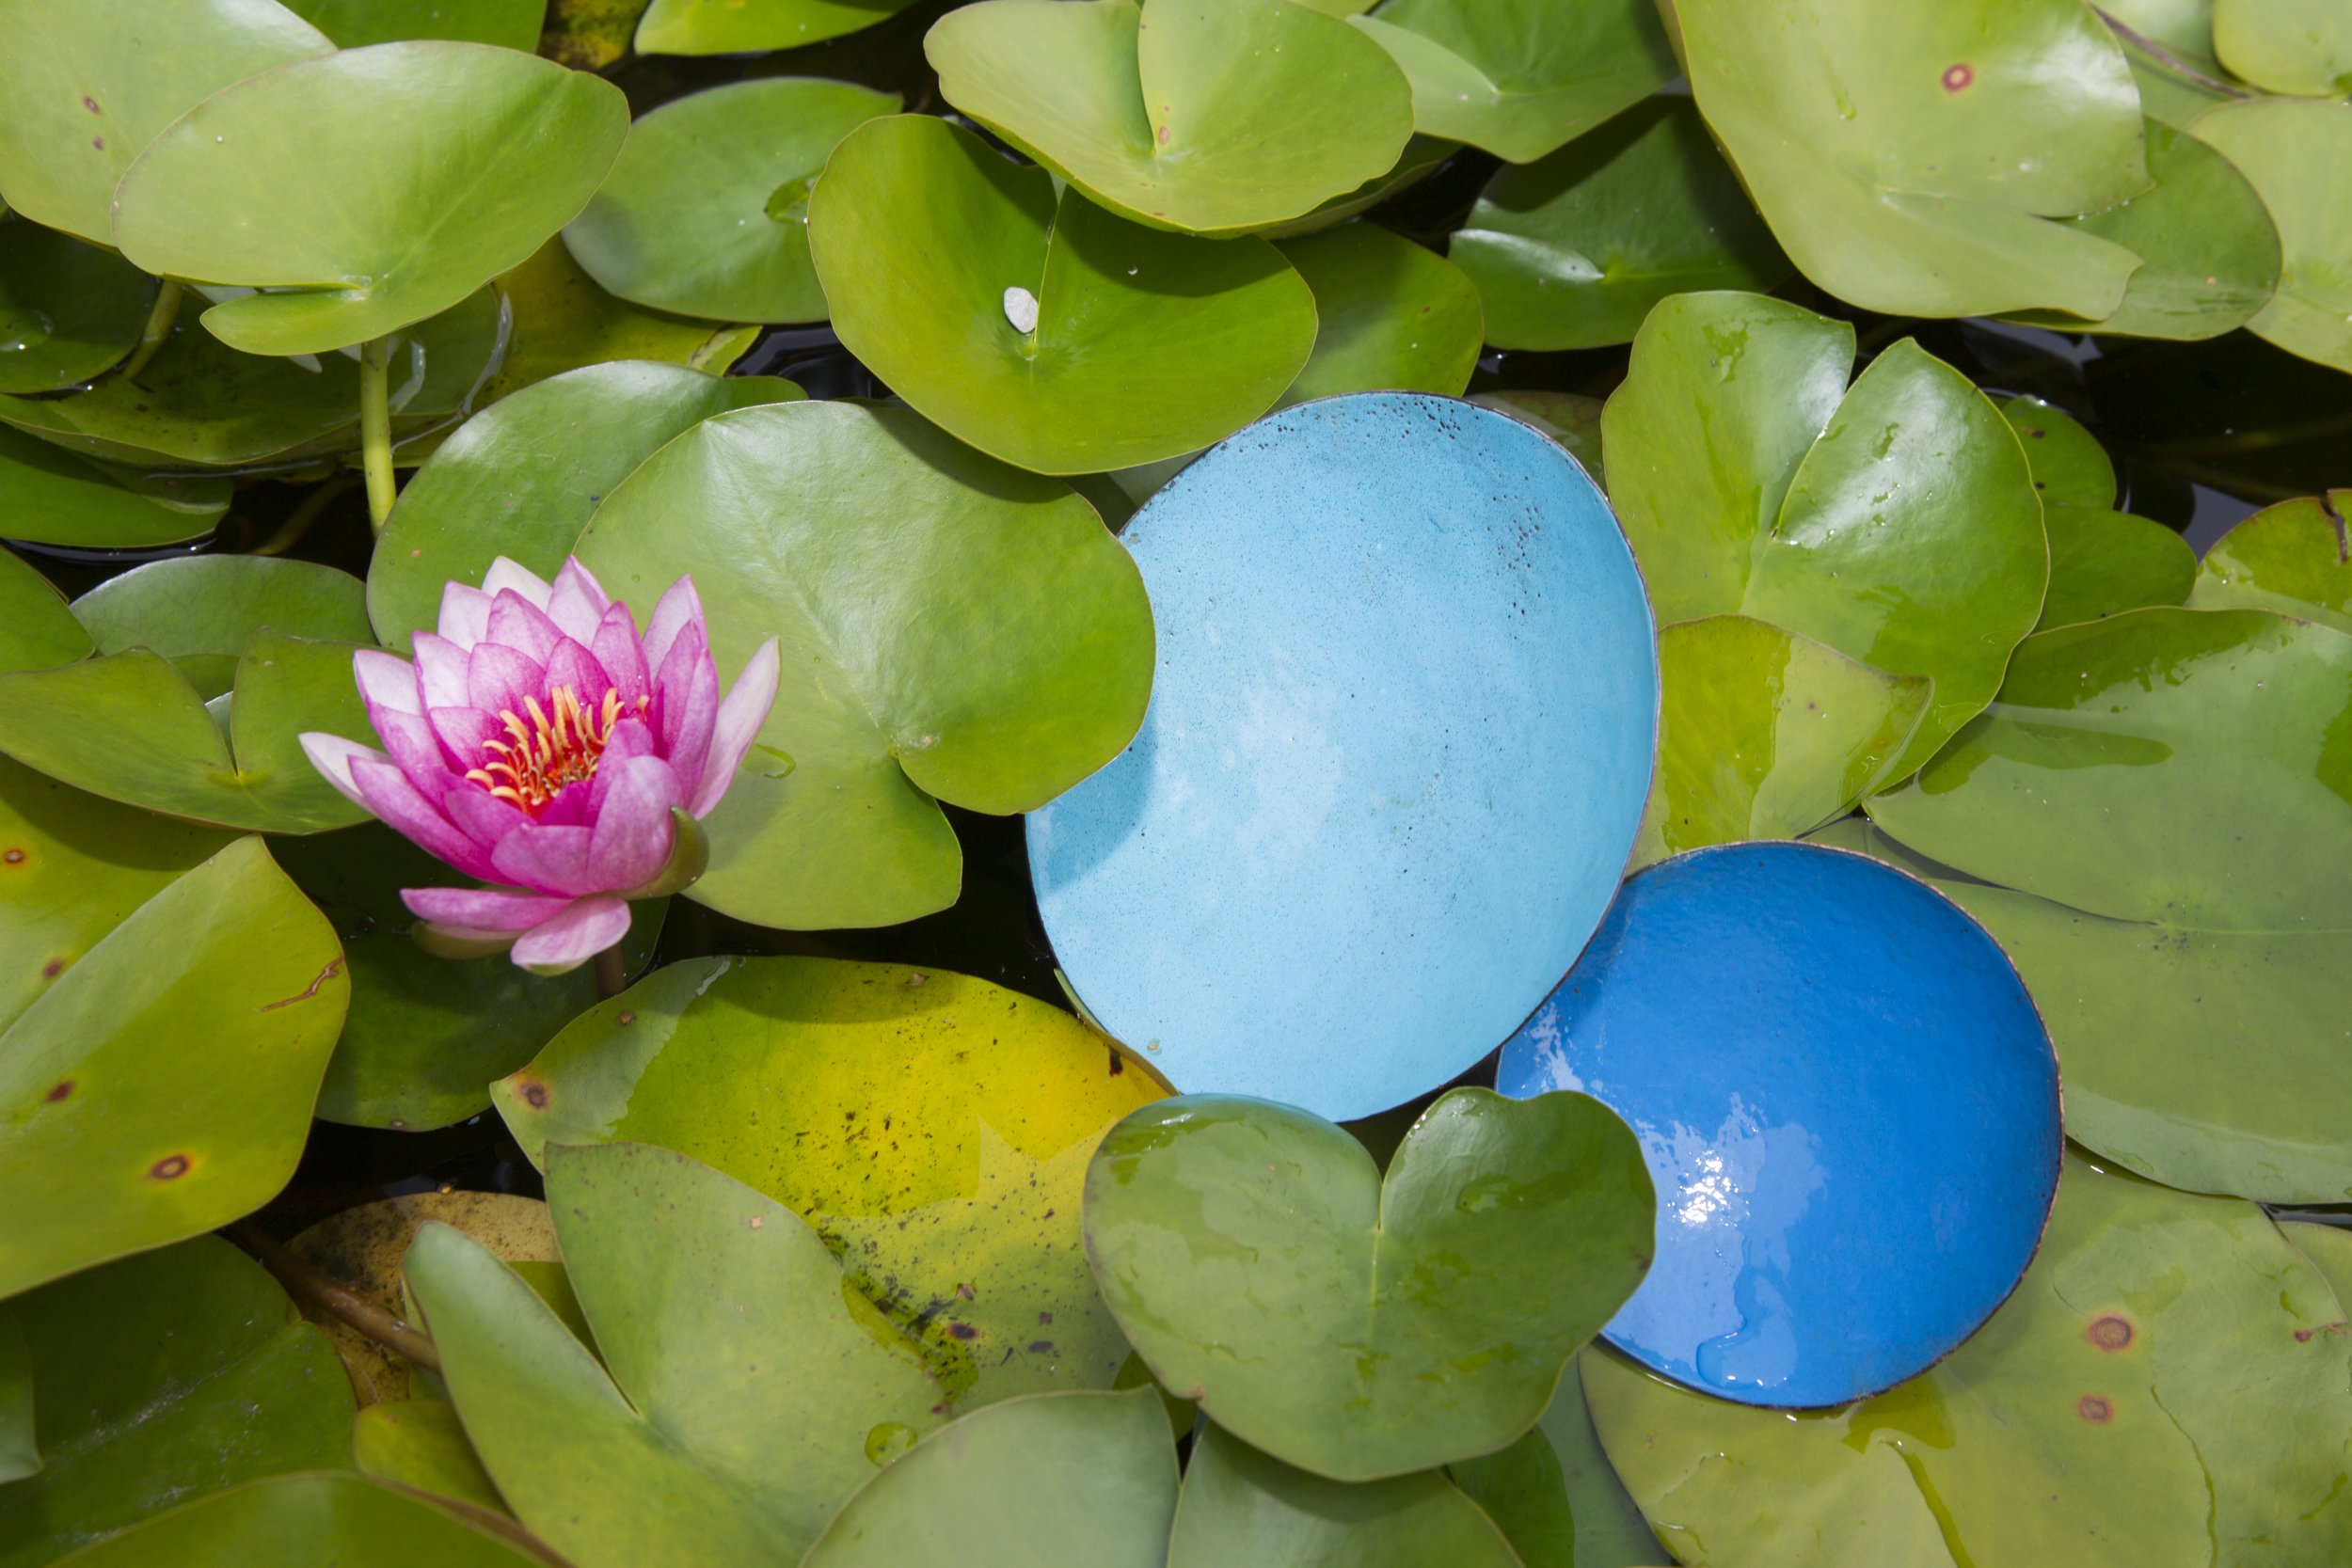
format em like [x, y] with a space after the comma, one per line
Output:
[535, 761]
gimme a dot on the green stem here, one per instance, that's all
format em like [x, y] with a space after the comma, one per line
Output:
[612, 977]
[159, 324]
[376, 428]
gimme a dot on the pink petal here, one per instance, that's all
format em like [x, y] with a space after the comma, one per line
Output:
[482, 909]
[633, 832]
[465, 614]
[384, 790]
[508, 576]
[573, 665]
[517, 623]
[333, 757]
[463, 732]
[680, 608]
[579, 602]
[623, 656]
[482, 816]
[441, 667]
[387, 681]
[415, 751]
[740, 717]
[499, 679]
[574, 937]
[689, 688]
[550, 858]
[572, 806]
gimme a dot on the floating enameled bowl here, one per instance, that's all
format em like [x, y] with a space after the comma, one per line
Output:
[1849, 1104]
[1398, 746]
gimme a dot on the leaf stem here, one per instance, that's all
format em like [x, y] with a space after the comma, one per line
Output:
[612, 978]
[326, 1291]
[160, 321]
[376, 428]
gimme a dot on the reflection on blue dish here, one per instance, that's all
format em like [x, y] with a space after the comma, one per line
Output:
[1399, 741]
[1849, 1104]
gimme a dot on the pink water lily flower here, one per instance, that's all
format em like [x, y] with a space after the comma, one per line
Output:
[541, 744]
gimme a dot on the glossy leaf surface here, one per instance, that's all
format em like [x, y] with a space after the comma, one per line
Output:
[934, 1128]
[200, 611]
[705, 212]
[952, 631]
[563, 321]
[1573, 251]
[2193, 981]
[1914, 170]
[1169, 112]
[525, 140]
[718, 1436]
[741, 26]
[521, 479]
[2098, 1420]
[2292, 46]
[68, 310]
[1895, 522]
[2292, 558]
[2101, 561]
[85, 85]
[112, 1147]
[1234, 1237]
[36, 628]
[161, 1378]
[52, 496]
[1765, 733]
[1053, 1480]
[1390, 315]
[2297, 155]
[363, 1523]
[1045, 330]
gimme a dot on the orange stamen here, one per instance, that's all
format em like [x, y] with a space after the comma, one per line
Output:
[537, 760]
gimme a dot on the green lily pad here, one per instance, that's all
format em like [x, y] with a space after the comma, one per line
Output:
[132, 727]
[1915, 169]
[18, 1454]
[1571, 252]
[952, 631]
[421, 1444]
[2193, 980]
[68, 310]
[2070, 467]
[1766, 733]
[2102, 561]
[346, 1520]
[1895, 522]
[497, 151]
[1610, 1529]
[706, 211]
[2297, 155]
[753, 27]
[1359, 1327]
[2099, 1420]
[354, 24]
[200, 611]
[49, 496]
[1519, 77]
[1390, 315]
[73, 868]
[1570, 418]
[562, 321]
[1053, 1480]
[934, 1129]
[715, 1437]
[161, 1378]
[1213, 116]
[2292, 558]
[2208, 250]
[1239, 1505]
[1521, 1490]
[521, 479]
[1422, 155]
[112, 1146]
[36, 630]
[2329, 1248]
[201, 403]
[2292, 46]
[1043, 331]
[86, 84]
[426, 1035]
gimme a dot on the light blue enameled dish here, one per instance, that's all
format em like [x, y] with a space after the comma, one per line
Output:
[1850, 1106]
[1398, 745]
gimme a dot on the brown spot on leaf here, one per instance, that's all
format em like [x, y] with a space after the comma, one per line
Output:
[13, 857]
[2095, 1410]
[54, 968]
[58, 1090]
[2111, 1332]
[535, 1096]
[334, 967]
[1163, 135]
[169, 1168]
[99, 142]
[90, 103]
[1958, 75]
[963, 1331]
[625, 1018]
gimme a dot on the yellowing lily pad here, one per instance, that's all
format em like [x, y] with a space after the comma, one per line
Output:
[749, 26]
[2297, 155]
[562, 321]
[2292, 558]
[358, 1522]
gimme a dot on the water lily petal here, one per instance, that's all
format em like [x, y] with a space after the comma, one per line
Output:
[579, 602]
[464, 615]
[462, 728]
[415, 749]
[739, 718]
[633, 828]
[507, 575]
[571, 665]
[482, 908]
[689, 685]
[574, 937]
[387, 681]
[333, 757]
[482, 816]
[499, 679]
[550, 857]
[680, 608]
[517, 623]
[441, 667]
[384, 790]
[623, 656]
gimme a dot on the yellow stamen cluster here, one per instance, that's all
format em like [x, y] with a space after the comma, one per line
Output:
[538, 759]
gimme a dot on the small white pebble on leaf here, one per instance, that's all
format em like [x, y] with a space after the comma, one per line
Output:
[1021, 310]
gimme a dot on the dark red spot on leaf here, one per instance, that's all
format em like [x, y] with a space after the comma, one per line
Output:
[2110, 1332]
[169, 1168]
[2095, 1410]
[90, 103]
[963, 1331]
[54, 968]
[535, 1096]
[1958, 75]
[59, 1090]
